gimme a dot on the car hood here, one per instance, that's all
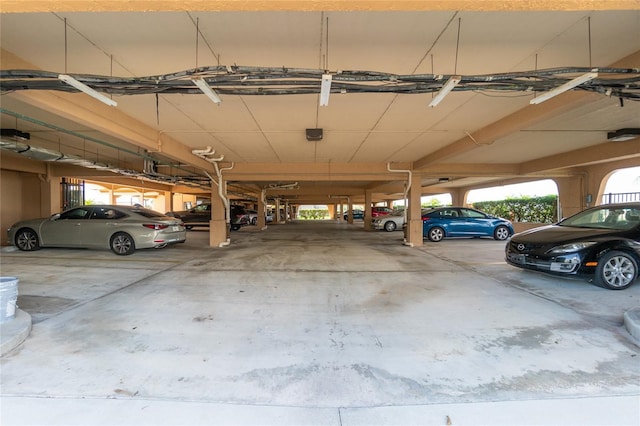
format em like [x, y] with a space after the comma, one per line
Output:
[551, 234]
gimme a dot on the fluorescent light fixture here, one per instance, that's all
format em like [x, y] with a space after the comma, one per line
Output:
[86, 89]
[563, 88]
[448, 86]
[325, 89]
[623, 135]
[207, 90]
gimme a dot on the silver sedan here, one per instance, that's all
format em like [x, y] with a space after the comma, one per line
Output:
[123, 229]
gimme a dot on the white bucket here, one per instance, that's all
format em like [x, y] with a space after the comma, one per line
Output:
[8, 298]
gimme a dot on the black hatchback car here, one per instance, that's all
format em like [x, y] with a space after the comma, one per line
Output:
[200, 215]
[601, 243]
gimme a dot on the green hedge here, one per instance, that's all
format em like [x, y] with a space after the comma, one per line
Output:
[317, 214]
[524, 209]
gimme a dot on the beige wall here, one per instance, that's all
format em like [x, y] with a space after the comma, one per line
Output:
[20, 199]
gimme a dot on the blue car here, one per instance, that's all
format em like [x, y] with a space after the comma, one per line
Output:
[445, 222]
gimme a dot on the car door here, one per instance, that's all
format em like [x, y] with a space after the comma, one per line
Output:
[65, 230]
[475, 223]
[452, 222]
[101, 225]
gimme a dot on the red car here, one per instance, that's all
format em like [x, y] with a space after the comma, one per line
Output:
[380, 211]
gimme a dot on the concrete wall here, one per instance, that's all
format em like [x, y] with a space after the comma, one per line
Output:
[20, 198]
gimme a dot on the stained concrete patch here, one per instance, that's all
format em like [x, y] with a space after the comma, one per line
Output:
[41, 307]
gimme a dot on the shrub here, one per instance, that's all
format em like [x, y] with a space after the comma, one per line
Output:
[523, 209]
[315, 214]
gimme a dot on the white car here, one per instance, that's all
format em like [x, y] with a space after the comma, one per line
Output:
[390, 222]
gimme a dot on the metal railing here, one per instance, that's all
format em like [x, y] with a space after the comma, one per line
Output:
[623, 197]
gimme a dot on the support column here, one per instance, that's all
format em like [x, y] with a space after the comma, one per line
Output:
[571, 195]
[278, 217]
[168, 201]
[350, 210]
[459, 197]
[414, 217]
[332, 211]
[262, 212]
[50, 196]
[368, 196]
[113, 197]
[341, 211]
[218, 229]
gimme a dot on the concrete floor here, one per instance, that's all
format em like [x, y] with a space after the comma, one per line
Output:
[315, 323]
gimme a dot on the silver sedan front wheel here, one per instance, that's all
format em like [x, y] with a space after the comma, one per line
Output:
[27, 240]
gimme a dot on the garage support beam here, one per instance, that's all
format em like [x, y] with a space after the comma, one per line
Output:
[367, 211]
[218, 229]
[414, 217]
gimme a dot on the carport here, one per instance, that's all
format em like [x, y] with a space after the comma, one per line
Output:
[314, 322]
[422, 97]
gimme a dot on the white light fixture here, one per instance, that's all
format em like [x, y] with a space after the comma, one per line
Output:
[444, 91]
[86, 89]
[563, 88]
[207, 90]
[623, 135]
[325, 89]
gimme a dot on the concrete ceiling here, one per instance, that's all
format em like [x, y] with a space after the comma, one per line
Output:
[474, 138]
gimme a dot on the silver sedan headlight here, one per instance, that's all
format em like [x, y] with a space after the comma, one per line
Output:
[572, 247]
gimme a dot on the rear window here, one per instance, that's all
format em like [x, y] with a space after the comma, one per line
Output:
[148, 213]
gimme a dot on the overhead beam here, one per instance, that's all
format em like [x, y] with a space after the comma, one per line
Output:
[603, 153]
[25, 6]
[519, 120]
[281, 172]
[93, 114]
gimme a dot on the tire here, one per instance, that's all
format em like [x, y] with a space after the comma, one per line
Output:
[436, 234]
[390, 226]
[254, 221]
[27, 240]
[616, 270]
[122, 244]
[501, 233]
[189, 227]
[235, 227]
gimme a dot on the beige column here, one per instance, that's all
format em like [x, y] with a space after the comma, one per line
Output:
[350, 210]
[571, 195]
[368, 195]
[218, 228]
[112, 196]
[332, 211]
[278, 217]
[414, 218]
[262, 212]
[168, 201]
[458, 196]
[50, 196]
[341, 211]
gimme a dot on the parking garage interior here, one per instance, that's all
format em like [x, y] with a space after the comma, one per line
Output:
[275, 105]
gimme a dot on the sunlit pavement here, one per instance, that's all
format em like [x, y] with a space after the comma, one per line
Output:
[315, 323]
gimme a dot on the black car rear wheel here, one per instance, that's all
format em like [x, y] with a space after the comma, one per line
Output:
[616, 270]
[27, 240]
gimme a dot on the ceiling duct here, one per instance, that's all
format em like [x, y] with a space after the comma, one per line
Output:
[14, 135]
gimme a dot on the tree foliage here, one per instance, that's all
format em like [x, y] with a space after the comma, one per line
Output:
[523, 209]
